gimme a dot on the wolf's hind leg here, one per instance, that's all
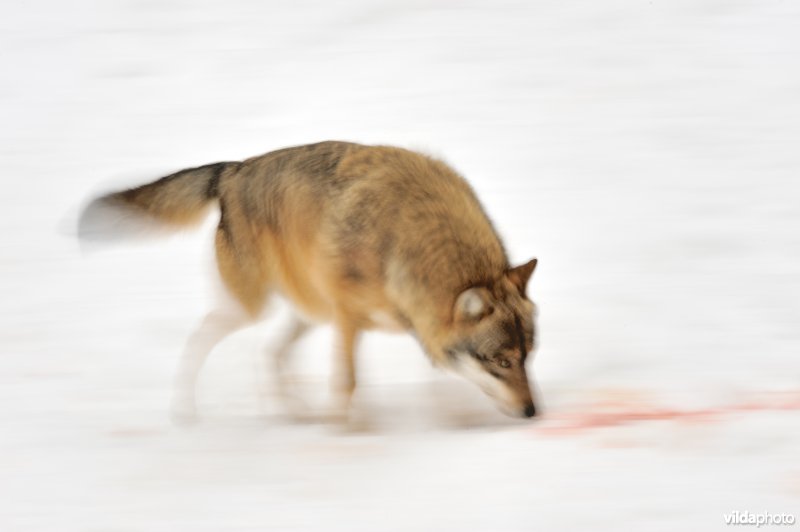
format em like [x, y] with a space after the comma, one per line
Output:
[279, 360]
[211, 331]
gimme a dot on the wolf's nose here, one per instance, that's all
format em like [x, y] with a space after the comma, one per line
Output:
[530, 410]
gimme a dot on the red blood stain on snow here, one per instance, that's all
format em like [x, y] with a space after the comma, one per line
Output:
[615, 413]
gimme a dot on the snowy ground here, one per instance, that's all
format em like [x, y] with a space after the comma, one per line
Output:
[646, 152]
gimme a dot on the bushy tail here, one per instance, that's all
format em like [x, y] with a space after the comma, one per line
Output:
[173, 201]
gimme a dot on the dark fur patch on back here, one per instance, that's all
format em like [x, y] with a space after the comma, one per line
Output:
[268, 179]
[319, 163]
[213, 185]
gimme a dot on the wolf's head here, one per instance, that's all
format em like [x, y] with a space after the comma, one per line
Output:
[492, 336]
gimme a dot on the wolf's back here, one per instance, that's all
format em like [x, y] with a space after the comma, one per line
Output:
[174, 201]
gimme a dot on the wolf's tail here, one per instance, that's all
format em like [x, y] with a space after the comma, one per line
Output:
[174, 201]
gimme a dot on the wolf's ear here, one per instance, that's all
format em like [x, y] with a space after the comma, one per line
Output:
[522, 274]
[472, 304]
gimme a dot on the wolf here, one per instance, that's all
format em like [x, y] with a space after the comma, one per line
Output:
[362, 237]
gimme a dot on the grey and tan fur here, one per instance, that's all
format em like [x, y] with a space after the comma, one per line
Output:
[361, 236]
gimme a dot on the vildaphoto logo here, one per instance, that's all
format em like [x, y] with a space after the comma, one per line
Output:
[759, 519]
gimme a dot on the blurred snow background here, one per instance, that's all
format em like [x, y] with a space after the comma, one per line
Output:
[645, 152]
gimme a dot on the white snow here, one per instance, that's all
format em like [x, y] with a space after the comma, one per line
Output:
[645, 152]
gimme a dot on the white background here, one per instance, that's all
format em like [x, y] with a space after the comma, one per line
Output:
[645, 152]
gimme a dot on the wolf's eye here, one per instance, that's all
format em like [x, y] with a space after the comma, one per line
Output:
[504, 363]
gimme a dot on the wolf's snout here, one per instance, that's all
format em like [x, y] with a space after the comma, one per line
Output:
[530, 410]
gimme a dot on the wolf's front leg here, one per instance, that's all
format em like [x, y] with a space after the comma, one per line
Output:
[345, 377]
